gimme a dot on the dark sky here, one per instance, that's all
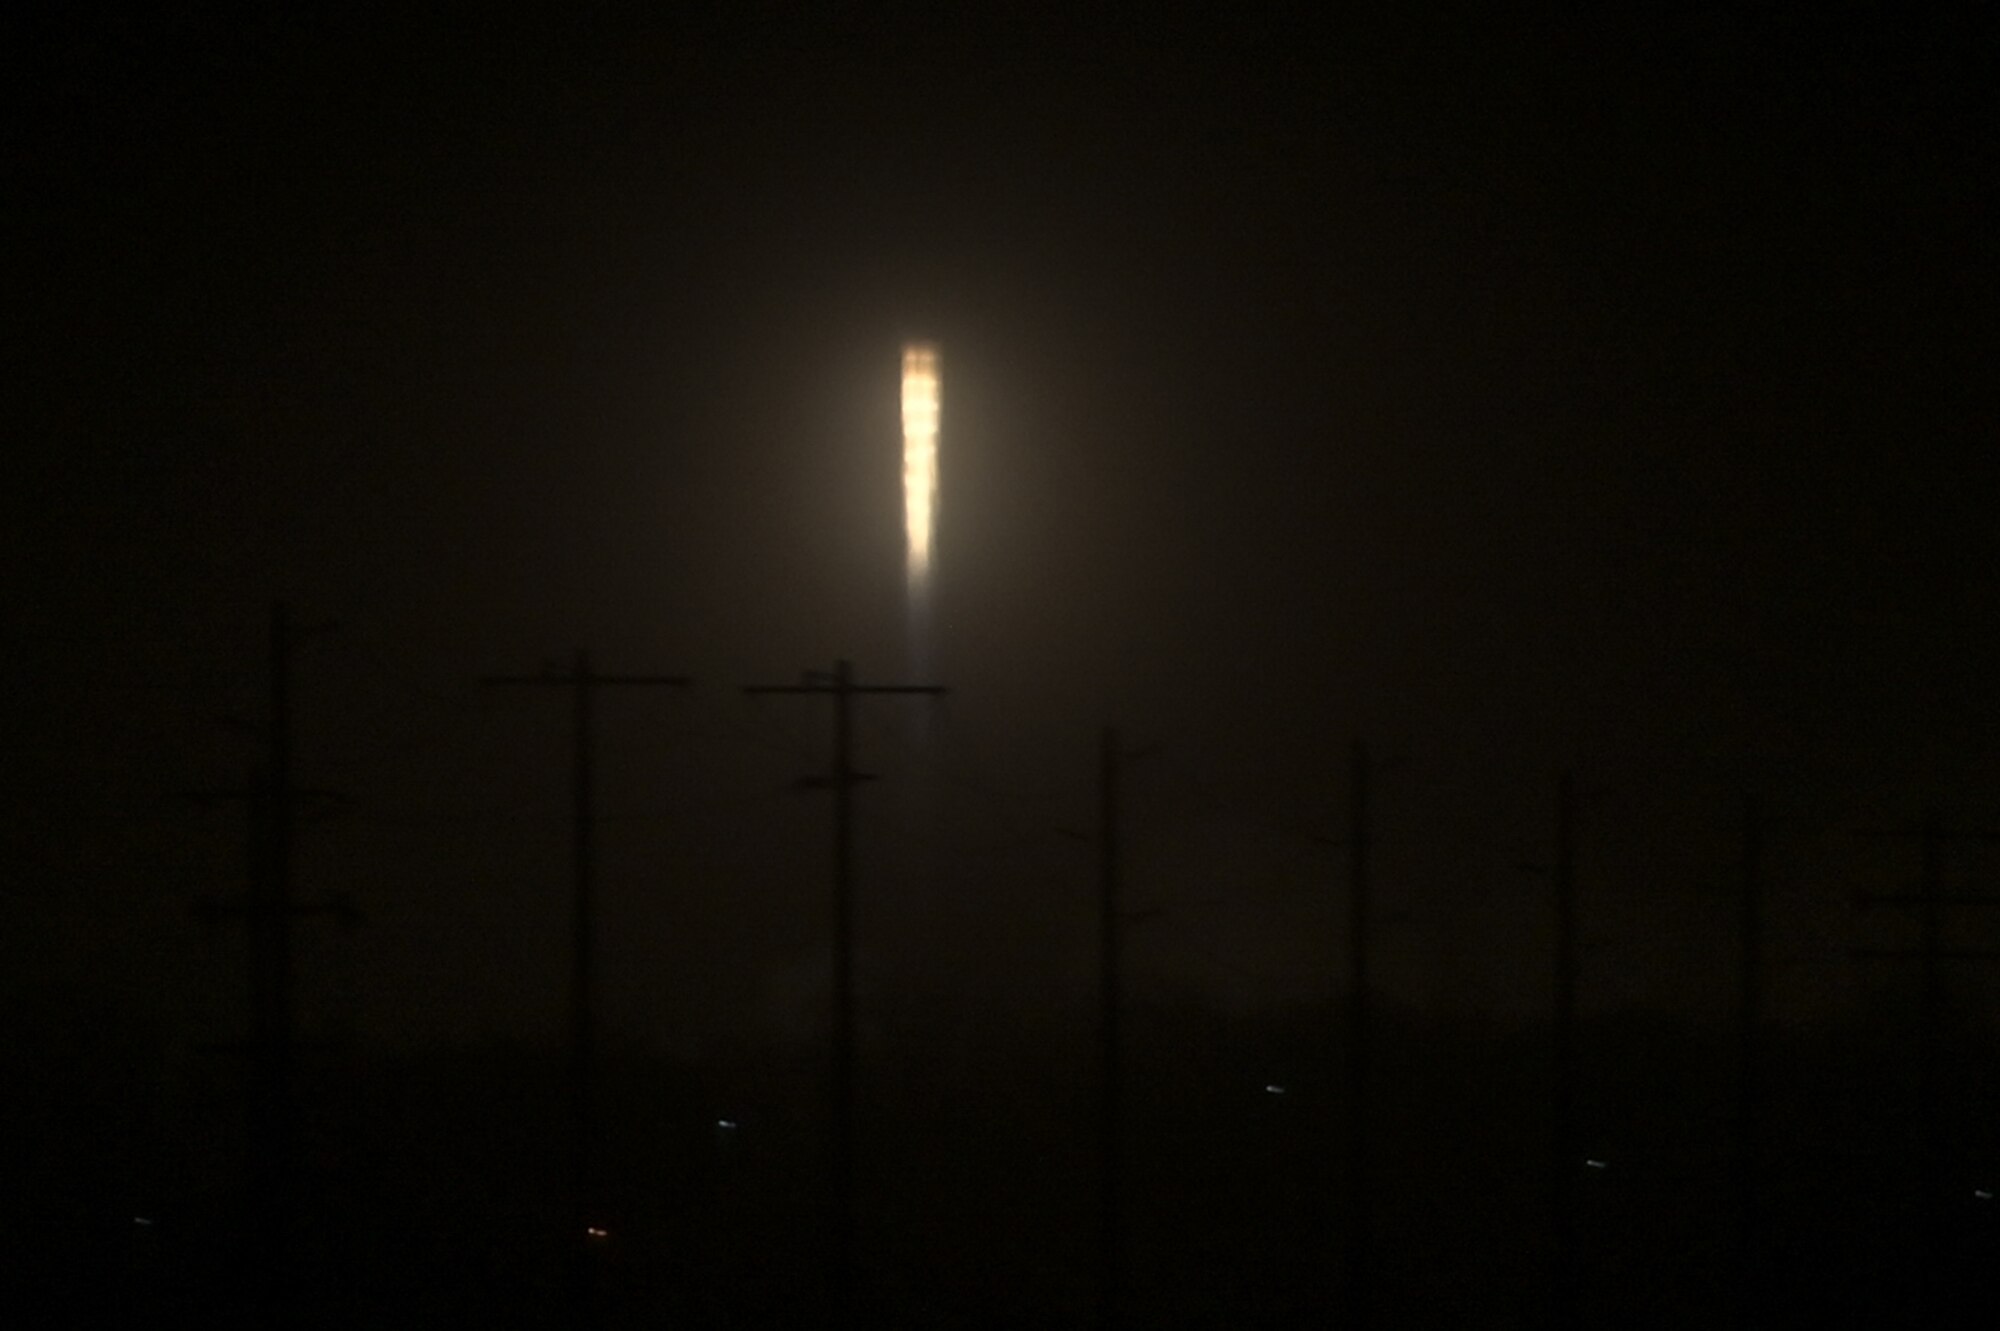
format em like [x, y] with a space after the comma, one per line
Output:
[1515, 392]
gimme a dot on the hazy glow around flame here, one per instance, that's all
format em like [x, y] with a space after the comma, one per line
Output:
[920, 456]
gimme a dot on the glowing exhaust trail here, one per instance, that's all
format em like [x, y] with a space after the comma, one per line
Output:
[920, 464]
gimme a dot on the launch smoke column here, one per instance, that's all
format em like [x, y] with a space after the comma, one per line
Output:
[920, 488]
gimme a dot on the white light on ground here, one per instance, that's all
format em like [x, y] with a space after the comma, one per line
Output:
[1596, 1164]
[1272, 1088]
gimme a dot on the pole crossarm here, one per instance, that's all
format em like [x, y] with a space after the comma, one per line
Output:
[1934, 832]
[932, 689]
[1924, 954]
[244, 906]
[587, 678]
[1912, 899]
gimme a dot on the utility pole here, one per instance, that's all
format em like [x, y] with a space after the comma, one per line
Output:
[273, 1125]
[1359, 1201]
[842, 778]
[1110, 1201]
[583, 683]
[1749, 1064]
[267, 910]
[1112, 917]
[1929, 902]
[1563, 1147]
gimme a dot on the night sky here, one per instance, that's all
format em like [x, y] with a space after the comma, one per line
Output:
[1515, 394]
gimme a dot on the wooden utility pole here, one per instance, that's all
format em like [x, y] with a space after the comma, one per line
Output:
[273, 1125]
[583, 683]
[1930, 954]
[1563, 1135]
[1110, 1167]
[1359, 1200]
[267, 909]
[273, 1027]
[841, 778]
[1749, 1065]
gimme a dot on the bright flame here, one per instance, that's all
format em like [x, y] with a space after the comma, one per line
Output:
[920, 456]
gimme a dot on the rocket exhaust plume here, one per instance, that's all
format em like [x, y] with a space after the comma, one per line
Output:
[920, 458]
[920, 485]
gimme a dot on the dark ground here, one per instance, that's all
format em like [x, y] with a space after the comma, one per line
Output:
[430, 1193]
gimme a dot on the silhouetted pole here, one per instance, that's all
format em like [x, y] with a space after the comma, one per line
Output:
[1930, 1006]
[1110, 1166]
[1930, 954]
[273, 1127]
[1563, 1151]
[842, 777]
[1930, 1012]
[1749, 1063]
[583, 683]
[267, 907]
[1358, 1136]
